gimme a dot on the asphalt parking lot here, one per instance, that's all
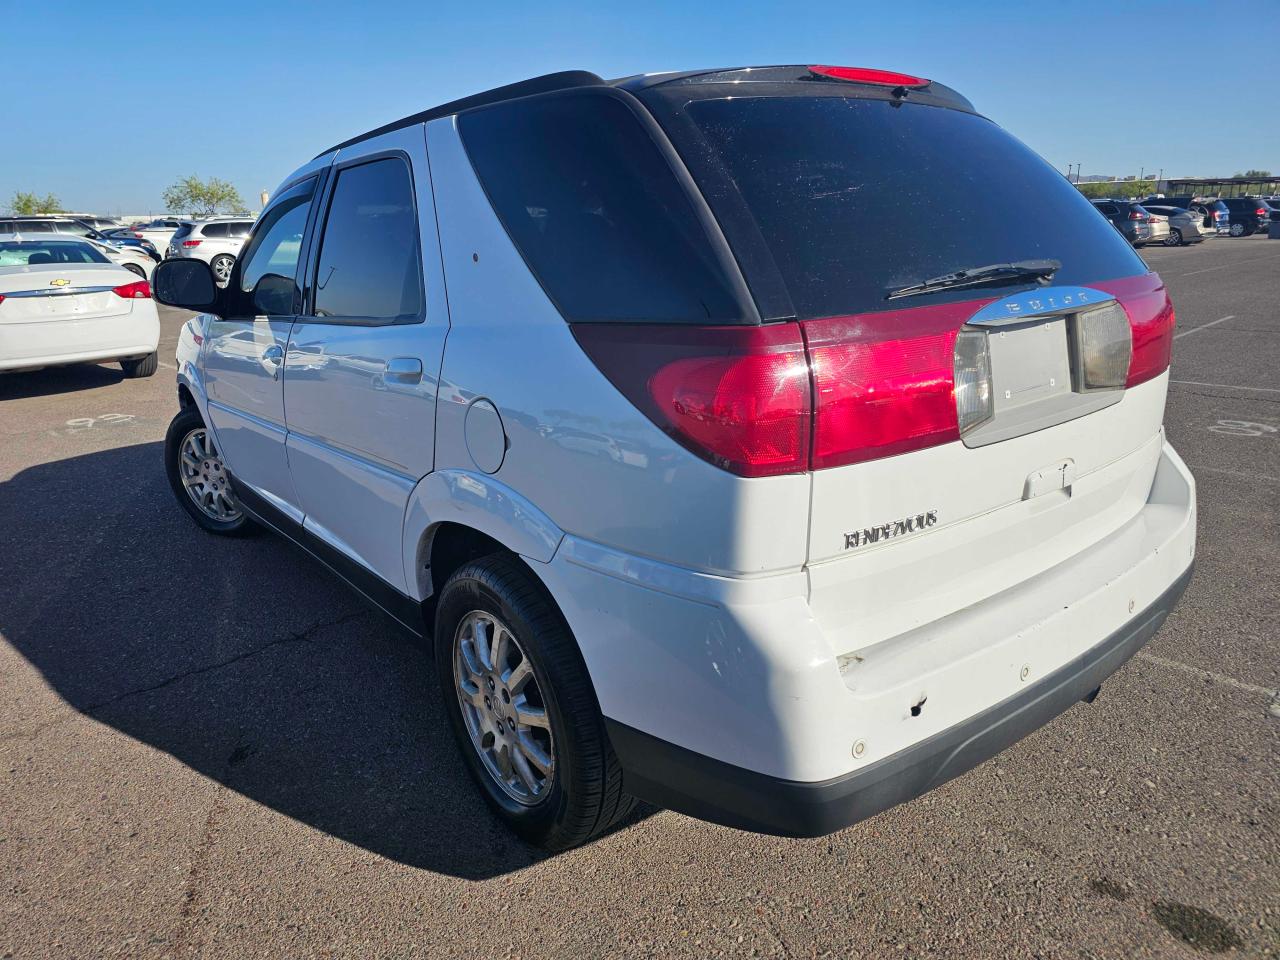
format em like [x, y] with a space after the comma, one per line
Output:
[211, 748]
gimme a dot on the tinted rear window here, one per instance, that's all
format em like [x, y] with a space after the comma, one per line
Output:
[856, 197]
[22, 253]
[594, 208]
[183, 231]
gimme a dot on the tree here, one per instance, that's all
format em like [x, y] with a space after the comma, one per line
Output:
[1256, 174]
[1132, 189]
[26, 204]
[203, 198]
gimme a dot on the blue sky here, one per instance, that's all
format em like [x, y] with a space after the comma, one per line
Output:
[138, 94]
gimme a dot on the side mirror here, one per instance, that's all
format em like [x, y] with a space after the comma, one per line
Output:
[184, 283]
[273, 295]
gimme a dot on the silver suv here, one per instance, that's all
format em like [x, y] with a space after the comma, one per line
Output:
[216, 241]
[713, 480]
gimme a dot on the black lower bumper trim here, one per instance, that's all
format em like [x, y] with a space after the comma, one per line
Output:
[671, 776]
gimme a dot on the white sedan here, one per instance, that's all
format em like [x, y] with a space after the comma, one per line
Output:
[132, 259]
[64, 302]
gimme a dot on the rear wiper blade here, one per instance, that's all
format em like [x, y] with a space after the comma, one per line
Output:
[977, 276]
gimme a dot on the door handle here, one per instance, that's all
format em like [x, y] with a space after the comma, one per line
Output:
[404, 369]
[272, 357]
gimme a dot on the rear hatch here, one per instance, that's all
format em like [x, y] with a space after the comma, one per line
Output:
[968, 430]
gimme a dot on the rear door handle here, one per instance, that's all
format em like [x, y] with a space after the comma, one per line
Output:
[404, 369]
[272, 357]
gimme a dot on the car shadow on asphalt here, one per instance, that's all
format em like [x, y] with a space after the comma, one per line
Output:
[241, 658]
[45, 383]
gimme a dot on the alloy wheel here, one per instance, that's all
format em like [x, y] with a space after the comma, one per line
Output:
[205, 477]
[502, 708]
[222, 269]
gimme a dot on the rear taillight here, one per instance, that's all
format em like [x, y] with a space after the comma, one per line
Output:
[1135, 215]
[883, 383]
[138, 290]
[191, 243]
[138, 235]
[1151, 322]
[1261, 211]
[736, 396]
[789, 397]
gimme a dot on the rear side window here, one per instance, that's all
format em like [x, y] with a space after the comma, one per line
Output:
[855, 197]
[595, 210]
[369, 265]
[213, 230]
[35, 226]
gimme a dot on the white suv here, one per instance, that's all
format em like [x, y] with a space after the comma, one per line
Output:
[216, 241]
[716, 478]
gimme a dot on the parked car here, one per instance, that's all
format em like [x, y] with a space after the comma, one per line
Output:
[1248, 215]
[216, 241]
[158, 232]
[1215, 216]
[63, 301]
[133, 259]
[1133, 221]
[1184, 224]
[858, 509]
[126, 237]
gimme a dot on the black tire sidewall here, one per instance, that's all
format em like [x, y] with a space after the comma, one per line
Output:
[189, 419]
[470, 589]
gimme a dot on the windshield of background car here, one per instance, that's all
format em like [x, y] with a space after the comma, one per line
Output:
[855, 197]
[21, 253]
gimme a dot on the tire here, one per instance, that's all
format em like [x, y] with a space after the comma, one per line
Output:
[1174, 239]
[221, 266]
[181, 429]
[1237, 230]
[134, 268]
[143, 367]
[582, 795]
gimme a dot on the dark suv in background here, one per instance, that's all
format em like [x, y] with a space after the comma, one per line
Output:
[1130, 218]
[1249, 214]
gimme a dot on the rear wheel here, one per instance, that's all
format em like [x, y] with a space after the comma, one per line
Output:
[523, 708]
[199, 478]
[1237, 230]
[221, 266]
[1174, 239]
[134, 268]
[142, 367]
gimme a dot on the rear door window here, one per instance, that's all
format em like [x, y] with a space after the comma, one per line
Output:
[855, 197]
[593, 206]
[214, 230]
[369, 266]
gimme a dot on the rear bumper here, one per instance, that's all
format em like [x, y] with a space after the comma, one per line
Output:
[682, 780]
[30, 346]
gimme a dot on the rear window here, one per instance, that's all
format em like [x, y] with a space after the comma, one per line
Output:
[183, 231]
[23, 253]
[594, 208]
[855, 197]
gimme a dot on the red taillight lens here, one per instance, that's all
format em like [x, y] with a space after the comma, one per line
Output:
[884, 383]
[138, 235]
[1151, 319]
[1135, 215]
[1261, 211]
[138, 290]
[191, 243]
[736, 396]
[884, 78]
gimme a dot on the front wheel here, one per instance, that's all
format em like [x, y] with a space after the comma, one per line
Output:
[522, 706]
[199, 478]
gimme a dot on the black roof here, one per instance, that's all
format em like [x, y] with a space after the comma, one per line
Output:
[569, 79]
[525, 88]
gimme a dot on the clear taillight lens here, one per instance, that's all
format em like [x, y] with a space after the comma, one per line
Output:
[1103, 348]
[975, 404]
